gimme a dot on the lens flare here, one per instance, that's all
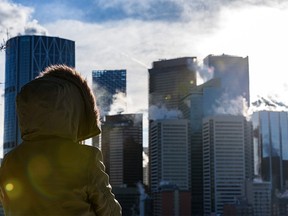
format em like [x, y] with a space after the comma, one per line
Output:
[9, 187]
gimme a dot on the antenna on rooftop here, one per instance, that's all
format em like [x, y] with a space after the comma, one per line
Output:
[3, 44]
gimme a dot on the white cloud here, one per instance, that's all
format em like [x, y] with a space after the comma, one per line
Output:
[15, 19]
[227, 27]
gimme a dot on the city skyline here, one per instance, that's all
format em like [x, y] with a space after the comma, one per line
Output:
[136, 34]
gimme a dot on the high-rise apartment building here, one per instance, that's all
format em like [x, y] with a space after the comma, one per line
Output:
[106, 84]
[122, 149]
[171, 80]
[26, 57]
[234, 74]
[225, 140]
[271, 137]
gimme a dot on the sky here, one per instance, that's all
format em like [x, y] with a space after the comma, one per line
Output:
[131, 34]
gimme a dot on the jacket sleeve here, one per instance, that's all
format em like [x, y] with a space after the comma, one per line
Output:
[99, 191]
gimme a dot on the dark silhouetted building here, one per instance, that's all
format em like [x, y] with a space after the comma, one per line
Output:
[122, 149]
[170, 80]
[122, 156]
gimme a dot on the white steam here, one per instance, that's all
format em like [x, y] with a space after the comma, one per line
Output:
[161, 112]
[235, 106]
[119, 104]
[16, 19]
[204, 73]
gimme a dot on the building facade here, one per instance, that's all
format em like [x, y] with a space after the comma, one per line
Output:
[234, 74]
[171, 80]
[225, 140]
[122, 149]
[26, 57]
[169, 161]
[271, 138]
[258, 194]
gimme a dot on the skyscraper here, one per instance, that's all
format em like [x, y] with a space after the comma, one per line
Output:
[122, 156]
[225, 158]
[26, 57]
[170, 80]
[169, 163]
[169, 153]
[106, 84]
[234, 74]
[195, 106]
[225, 93]
[122, 149]
[271, 137]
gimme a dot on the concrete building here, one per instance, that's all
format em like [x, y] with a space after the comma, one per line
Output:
[169, 162]
[169, 153]
[258, 194]
[225, 139]
[26, 57]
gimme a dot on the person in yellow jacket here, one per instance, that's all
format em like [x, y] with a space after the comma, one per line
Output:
[51, 172]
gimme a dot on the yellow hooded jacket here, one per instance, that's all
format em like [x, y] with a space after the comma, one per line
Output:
[50, 173]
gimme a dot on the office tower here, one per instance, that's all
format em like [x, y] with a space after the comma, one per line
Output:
[225, 93]
[170, 80]
[195, 106]
[122, 149]
[234, 74]
[169, 158]
[225, 139]
[258, 194]
[26, 57]
[122, 156]
[106, 84]
[271, 138]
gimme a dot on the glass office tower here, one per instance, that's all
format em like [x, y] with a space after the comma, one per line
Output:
[26, 57]
[107, 83]
[271, 138]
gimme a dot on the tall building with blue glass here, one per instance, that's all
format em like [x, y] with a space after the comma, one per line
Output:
[26, 57]
[107, 83]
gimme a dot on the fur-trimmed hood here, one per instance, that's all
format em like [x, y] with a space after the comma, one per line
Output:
[58, 103]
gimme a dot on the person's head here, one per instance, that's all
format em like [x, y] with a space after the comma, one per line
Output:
[57, 103]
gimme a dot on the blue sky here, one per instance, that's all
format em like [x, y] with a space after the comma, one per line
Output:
[102, 11]
[131, 34]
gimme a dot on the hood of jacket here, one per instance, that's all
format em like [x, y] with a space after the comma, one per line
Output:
[52, 106]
